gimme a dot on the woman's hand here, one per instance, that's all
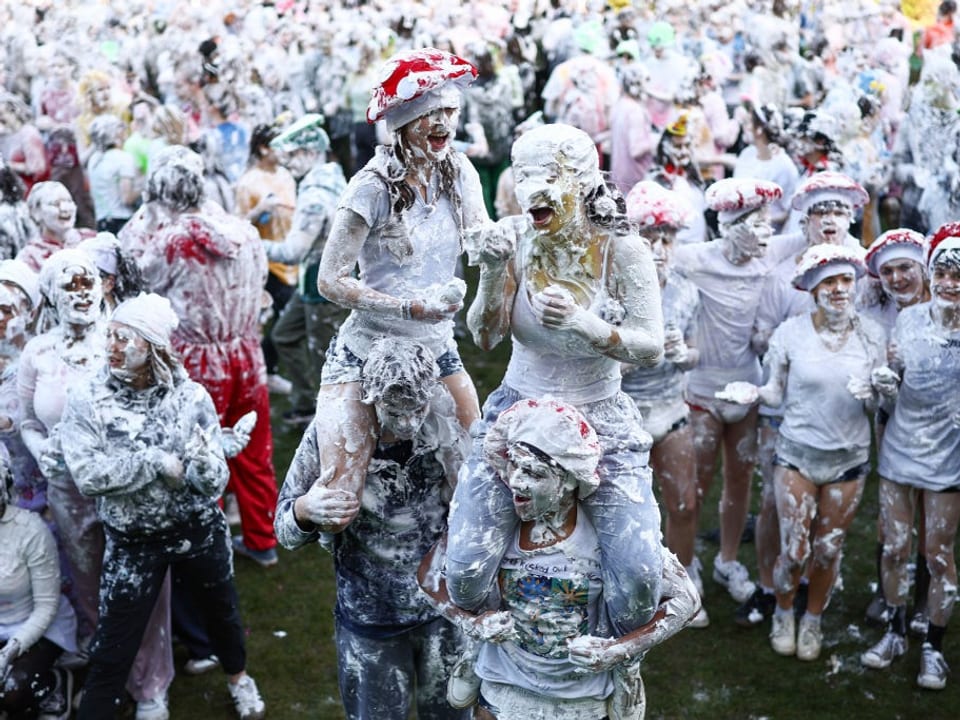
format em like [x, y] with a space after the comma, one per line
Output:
[675, 350]
[554, 306]
[329, 509]
[885, 381]
[595, 654]
[8, 653]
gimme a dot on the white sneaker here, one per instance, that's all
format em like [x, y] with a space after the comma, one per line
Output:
[246, 699]
[693, 571]
[809, 638]
[279, 385]
[783, 633]
[734, 577]
[463, 687]
[153, 709]
[199, 666]
[890, 647]
[933, 669]
[701, 619]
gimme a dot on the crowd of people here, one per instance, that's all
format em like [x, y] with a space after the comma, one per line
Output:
[721, 238]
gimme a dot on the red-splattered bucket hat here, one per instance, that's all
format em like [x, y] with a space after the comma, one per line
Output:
[896, 244]
[829, 186]
[416, 82]
[823, 261]
[945, 240]
[732, 198]
[651, 205]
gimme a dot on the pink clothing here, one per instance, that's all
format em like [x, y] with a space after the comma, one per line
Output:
[38, 250]
[632, 143]
[212, 268]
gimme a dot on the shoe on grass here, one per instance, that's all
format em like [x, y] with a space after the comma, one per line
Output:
[783, 634]
[246, 699]
[153, 709]
[809, 638]
[878, 612]
[890, 647]
[263, 558]
[756, 609]
[199, 666]
[701, 619]
[734, 577]
[933, 669]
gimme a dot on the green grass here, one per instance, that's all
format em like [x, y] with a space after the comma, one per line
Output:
[722, 672]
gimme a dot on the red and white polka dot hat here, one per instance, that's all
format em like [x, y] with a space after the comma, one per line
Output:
[415, 82]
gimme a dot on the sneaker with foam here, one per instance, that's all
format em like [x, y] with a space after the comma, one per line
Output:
[919, 623]
[263, 558]
[734, 577]
[809, 638]
[933, 669]
[890, 647]
[463, 687]
[701, 619]
[246, 699]
[756, 609]
[199, 666]
[783, 634]
[153, 709]
[58, 704]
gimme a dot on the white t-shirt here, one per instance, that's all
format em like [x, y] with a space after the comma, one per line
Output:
[106, 171]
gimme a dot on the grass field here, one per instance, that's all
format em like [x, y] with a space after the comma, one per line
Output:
[722, 672]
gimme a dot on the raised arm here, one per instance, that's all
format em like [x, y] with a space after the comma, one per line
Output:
[492, 247]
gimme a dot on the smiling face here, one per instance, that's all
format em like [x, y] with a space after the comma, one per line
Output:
[14, 315]
[429, 138]
[79, 297]
[902, 280]
[538, 486]
[678, 150]
[835, 294]
[128, 354]
[57, 212]
[828, 224]
[945, 285]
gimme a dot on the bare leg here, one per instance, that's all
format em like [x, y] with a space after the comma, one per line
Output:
[347, 430]
[706, 444]
[942, 512]
[836, 507]
[897, 504]
[739, 458]
[796, 508]
[672, 460]
[465, 396]
[767, 533]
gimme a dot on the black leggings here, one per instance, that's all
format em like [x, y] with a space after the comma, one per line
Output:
[31, 678]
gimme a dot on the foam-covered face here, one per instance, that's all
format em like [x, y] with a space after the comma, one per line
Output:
[546, 191]
[429, 138]
[678, 150]
[99, 96]
[749, 236]
[662, 245]
[57, 211]
[128, 354]
[902, 280]
[59, 69]
[14, 313]
[79, 297]
[829, 226]
[835, 294]
[538, 487]
[299, 162]
[945, 285]
[400, 414]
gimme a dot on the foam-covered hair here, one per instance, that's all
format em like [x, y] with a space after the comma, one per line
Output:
[403, 367]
